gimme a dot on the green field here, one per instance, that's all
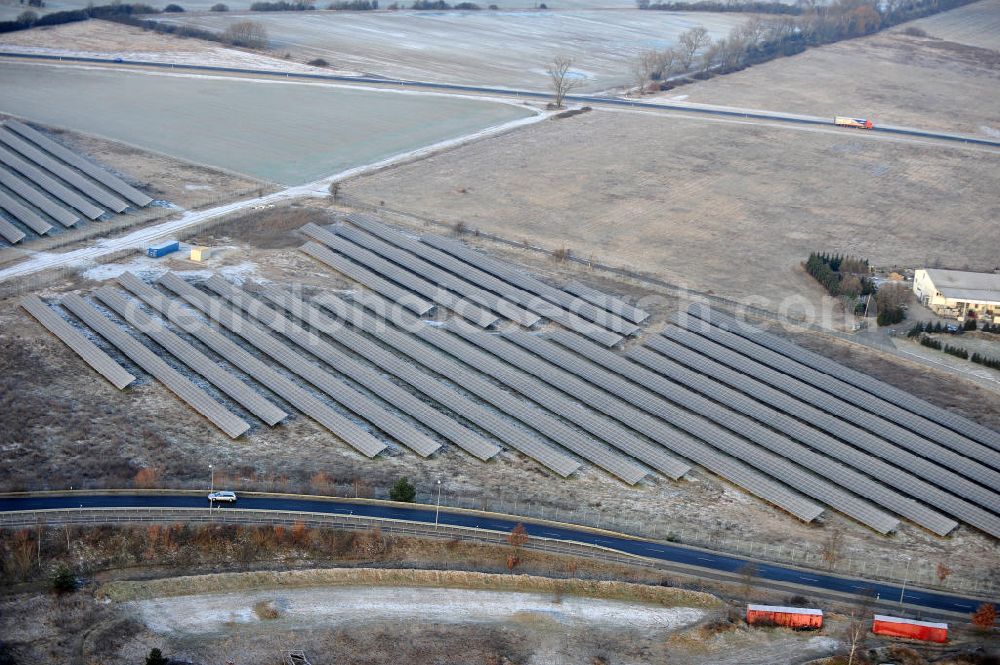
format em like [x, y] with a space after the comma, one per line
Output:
[289, 133]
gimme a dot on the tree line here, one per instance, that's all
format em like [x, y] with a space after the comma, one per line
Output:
[793, 29]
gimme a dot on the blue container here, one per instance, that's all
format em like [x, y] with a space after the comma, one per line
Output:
[164, 248]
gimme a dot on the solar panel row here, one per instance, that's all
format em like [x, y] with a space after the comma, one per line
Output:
[602, 368]
[878, 388]
[336, 359]
[185, 319]
[528, 283]
[895, 418]
[888, 464]
[440, 277]
[648, 453]
[453, 371]
[37, 199]
[352, 434]
[608, 302]
[577, 441]
[414, 255]
[194, 396]
[195, 360]
[368, 278]
[402, 277]
[941, 457]
[71, 158]
[83, 347]
[61, 171]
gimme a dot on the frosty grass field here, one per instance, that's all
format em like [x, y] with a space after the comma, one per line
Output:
[287, 133]
[504, 48]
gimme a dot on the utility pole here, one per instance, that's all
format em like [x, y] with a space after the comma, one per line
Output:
[437, 508]
[902, 591]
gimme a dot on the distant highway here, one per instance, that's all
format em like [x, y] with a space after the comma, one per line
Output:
[666, 552]
[726, 111]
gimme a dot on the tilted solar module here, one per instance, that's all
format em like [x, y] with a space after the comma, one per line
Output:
[259, 338]
[433, 360]
[21, 187]
[621, 377]
[648, 453]
[97, 173]
[49, 184]
[528, 283]
[532, 390]
[185, 319]
[10, 232]
[487, 281]
[608, 302]
[62, 171]
[195, 360]
[336, 359]
[367, 278]
[194, 396]
[736, 412]
[401, 276]
[441, 277]
[888, 431]
[22, 214]
[880, 389]
[915, 427]
[433, 388]
[83, 347]
[793, 464]
[885, 462]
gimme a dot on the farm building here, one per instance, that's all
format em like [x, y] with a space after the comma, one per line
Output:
[958, 293]
[792, 617]
[928, 631]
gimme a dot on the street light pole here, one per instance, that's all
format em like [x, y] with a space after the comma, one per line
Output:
[906, 574]
[211, 471]
[437, 508]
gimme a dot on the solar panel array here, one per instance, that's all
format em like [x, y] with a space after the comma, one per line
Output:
[763, 397]
[150, 362]
[879, 389]
[605, 301]
[44, 186]
[455, 276]
[887, 464]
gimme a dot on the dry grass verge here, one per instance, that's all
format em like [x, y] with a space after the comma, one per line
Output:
[226, 582]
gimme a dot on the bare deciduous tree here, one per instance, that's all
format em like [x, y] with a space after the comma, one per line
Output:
[561, 80]
[643, 67]
[689, 43]
[250, 34]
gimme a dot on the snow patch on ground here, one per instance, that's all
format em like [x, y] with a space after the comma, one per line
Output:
[151, 269]
[304, 608]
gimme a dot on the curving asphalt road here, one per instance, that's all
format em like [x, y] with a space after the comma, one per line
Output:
[651, 549]
[510, 92]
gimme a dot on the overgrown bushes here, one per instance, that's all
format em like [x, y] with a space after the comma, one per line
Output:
[710, 6]
[249, 34]
[282, 6]
[354, 5]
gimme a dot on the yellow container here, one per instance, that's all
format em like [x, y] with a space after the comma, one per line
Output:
[200, 253]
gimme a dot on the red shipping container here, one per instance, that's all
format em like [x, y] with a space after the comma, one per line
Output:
[791, 617]
[928, 631]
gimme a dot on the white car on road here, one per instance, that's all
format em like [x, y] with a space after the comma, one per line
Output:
[222, 496]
